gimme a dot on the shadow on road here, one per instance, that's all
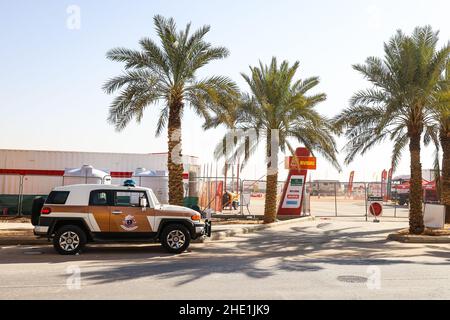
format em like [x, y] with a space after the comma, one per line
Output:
[261, 255]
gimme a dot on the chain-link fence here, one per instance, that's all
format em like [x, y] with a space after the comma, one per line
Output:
[223, 195]
[17, 192]
[10, 194]
[334, 198]
[218, 194]
[253, 196]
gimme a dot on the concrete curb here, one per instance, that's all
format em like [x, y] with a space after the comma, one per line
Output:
[219, 235]
[418, 239]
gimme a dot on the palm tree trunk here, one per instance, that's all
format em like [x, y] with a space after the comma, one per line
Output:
[174, 160]
[270, 206]
[416, 225]
[445, 198]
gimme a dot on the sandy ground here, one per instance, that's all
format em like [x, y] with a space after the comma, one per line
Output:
[328, 206]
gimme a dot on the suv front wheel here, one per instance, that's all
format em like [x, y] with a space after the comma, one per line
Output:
[175, 238]
[69, 240]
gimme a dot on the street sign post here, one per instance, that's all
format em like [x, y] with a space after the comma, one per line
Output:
[376, 207]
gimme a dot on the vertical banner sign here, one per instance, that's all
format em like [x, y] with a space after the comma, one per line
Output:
[383, 185]
[294, 188]
[389, 184]
[350, 184]
[294, 192]
[218, 195]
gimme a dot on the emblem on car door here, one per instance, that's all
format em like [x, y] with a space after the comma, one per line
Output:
[129, 223]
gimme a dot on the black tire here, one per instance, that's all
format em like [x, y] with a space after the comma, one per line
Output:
[172, 232]
[74, 232]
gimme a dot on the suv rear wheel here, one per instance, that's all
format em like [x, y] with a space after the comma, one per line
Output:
[175, 238]
[69, 240]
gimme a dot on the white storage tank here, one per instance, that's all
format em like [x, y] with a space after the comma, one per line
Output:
[157, 180]
[87, 174]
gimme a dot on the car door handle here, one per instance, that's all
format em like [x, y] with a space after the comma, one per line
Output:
[117, 212]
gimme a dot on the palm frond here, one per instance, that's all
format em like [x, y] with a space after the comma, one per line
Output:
[131, 58]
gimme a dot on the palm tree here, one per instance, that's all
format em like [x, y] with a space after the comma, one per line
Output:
[397, 107]
[166, 74]
[444, 137]
[441, 138]
[277, 102]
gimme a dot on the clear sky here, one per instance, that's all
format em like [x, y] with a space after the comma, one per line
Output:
[51, 75]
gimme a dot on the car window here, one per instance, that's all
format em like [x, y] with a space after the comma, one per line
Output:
[57, 197]
[99, 198]
[129, 198]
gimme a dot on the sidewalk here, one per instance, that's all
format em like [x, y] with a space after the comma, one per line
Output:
[14, 233]
[22, 233]
[6, 225]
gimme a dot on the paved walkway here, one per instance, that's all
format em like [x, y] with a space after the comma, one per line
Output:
[15, 226]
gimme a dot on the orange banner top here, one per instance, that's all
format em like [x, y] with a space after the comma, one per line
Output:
[302, 163]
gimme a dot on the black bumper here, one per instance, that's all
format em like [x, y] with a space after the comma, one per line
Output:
[202, 230]
[208, 228]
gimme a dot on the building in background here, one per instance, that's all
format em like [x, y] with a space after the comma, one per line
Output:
[25, 174]
[326, 188]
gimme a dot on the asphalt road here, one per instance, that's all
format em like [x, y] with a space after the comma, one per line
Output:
[322, 259]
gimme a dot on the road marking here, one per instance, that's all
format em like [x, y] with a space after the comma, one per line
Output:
[415, 279]
[33, 252]
[34, 286]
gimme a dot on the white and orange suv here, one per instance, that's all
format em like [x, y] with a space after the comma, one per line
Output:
[78, 214]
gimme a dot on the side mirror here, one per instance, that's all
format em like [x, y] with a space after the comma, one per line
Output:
[143, 203]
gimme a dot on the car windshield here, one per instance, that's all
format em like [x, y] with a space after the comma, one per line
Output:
[154, 198]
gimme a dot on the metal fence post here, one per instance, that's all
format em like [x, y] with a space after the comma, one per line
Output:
[335, 200]
[241, 197]
[395, 209]
[365, 198]
[19, 210]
